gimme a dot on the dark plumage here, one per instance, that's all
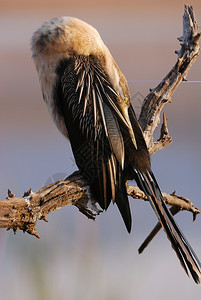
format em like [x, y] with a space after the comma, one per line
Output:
[89, 100]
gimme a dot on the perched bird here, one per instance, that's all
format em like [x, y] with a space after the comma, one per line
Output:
[88, 99]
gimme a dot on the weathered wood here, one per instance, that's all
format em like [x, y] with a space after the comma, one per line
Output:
[162, 94]
[24, 213]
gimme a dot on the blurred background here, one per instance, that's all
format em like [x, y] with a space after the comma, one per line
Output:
[77, 258]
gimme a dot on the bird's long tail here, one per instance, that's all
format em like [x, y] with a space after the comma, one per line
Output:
[188, 258]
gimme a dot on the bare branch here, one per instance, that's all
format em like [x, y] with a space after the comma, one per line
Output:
[176, 202]
[179, 203]
[174, 210]
[164, 140]
[159, 96]
[23, 213]
[171, 199]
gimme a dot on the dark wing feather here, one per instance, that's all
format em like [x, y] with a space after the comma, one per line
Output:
[114, 134]
[92, 120]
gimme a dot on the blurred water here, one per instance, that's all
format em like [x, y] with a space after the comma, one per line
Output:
[77, 258]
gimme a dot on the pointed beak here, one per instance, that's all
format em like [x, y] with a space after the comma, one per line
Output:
[124, 104]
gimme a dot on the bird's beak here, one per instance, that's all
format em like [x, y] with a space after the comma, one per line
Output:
[124, 104]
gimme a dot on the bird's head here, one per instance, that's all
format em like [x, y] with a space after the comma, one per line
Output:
[62, 37]
[66, 35]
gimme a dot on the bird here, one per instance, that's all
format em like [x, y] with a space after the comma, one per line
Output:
[88, 98]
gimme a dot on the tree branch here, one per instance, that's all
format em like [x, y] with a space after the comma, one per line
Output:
[23, 213]
[176, 202]
[159, 96]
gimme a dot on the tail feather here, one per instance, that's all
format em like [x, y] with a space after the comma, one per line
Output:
[123, 206]
[183, 249]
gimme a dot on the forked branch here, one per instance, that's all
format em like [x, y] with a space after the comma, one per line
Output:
[162, 94]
